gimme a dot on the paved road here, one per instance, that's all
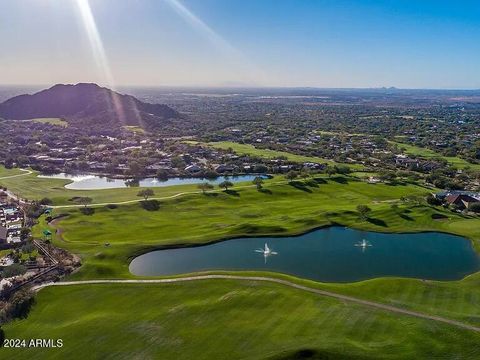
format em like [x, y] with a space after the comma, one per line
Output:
[350, 299]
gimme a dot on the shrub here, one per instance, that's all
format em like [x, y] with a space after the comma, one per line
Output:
[363, 210]
[14, 270]
[150, 205]
[475, 207]
[87, 211]
[19, 305]
[46, 201]
[431, 200]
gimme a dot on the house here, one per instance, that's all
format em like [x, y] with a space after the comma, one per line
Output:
[193, 169]
[373, 180]
[313, 166]
[224, 168]
[462, 201]
[402, 160]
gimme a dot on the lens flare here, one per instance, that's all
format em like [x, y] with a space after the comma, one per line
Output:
[95, 40]
[250, 70]
[100, 57]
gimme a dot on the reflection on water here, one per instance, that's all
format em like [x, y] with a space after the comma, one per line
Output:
[331, 255]
[94, 182]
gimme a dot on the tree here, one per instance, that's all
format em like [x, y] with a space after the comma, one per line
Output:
[258, 182]
[475, 207]
[46, 201]
[136, 168]
[387, 176]
[14, 270]
[305, 173]
[343, 169]
[210, 174]
[19, 305]
[84, 200]
[25, 233]
[432, 200]
[225, 184]
[177, 162]
[291, 175]
[260, 169]
[363, 210]
[330, 170]
[162, 174]
[205, 186]
[146, 193]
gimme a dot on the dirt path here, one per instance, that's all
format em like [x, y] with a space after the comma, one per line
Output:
[346, 298]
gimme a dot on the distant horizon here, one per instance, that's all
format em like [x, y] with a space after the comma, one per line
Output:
[121, 86]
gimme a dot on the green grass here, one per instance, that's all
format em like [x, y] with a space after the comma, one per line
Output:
[195, 219]
[4, 252]
[8, 172]
[134, 129]
[246, 149]
[209, 319]
[51, 121]
[35, 188]
[219, 319]
[430, 154]
[283, 210]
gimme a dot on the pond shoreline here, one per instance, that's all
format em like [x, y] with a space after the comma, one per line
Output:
[408, 266]
[91, 181]
[290, 234]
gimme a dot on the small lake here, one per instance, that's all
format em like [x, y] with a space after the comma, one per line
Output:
[95, 182]
[332, 254]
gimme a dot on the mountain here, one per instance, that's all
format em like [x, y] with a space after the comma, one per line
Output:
[87, 105]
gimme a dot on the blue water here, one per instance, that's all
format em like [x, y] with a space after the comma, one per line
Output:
[94, 182]
[329, 255]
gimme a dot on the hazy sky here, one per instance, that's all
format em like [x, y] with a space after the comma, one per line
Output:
[336, 43]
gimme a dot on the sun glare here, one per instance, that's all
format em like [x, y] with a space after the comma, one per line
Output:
[95, 40]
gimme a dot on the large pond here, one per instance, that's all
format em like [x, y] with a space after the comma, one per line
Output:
[94, 182]
[334, 254]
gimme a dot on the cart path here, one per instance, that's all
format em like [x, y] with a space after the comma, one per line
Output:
[168, 197]
[25, 172]
[291, 284]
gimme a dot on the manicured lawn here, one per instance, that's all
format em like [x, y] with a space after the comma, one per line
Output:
[430, 154]
[246, 149]
[223, 319]
[35, 188]
[8, 172]
[281, 209]
[130, 230]
[51, 121]
[209, 319]
[134, 129]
